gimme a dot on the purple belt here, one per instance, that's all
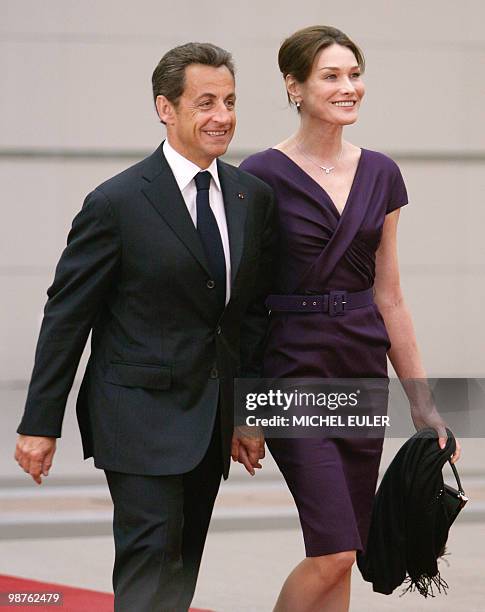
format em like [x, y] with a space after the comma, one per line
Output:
[335, 303]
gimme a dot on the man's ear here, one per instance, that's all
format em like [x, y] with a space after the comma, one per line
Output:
[165, 109]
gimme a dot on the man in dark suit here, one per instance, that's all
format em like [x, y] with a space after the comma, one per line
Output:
[168, 264]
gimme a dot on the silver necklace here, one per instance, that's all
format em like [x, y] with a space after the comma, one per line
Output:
[326, 169]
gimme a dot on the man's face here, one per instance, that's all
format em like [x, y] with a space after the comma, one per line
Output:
[201, 125]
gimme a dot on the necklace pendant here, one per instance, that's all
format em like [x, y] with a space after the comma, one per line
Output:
[327, 170]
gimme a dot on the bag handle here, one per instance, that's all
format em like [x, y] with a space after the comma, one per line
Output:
[457, 477]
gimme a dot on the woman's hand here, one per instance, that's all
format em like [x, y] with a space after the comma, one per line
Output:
[457, 454]
[426, 415]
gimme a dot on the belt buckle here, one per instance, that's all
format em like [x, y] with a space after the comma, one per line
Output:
[336, 303]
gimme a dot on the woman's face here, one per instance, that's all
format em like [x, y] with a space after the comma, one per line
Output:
[334, 89]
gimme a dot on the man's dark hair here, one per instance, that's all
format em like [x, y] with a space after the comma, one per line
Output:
[168, 78]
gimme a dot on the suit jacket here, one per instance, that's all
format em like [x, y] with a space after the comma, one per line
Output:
[163, 355]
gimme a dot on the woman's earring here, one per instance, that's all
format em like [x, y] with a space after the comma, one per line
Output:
[298, 104]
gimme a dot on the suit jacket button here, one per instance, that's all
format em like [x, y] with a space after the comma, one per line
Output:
[218, 330]
[214, 373]
[210, 284]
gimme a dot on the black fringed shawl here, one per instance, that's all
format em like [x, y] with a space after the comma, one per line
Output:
[409, 526]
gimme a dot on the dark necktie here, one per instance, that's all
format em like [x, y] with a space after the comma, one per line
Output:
[210, 236]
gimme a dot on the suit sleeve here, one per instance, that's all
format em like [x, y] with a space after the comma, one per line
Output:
[256, 320]
[83, 279]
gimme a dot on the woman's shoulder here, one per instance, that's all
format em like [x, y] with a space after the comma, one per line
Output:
[382, 161]
[389, 174]
[262, 164]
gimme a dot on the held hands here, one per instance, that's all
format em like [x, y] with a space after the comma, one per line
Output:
[34, 454]
[248, 447]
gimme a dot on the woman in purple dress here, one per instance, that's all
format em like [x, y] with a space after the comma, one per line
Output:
[338, 207]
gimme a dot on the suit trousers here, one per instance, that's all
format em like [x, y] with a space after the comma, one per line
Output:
[160, 526]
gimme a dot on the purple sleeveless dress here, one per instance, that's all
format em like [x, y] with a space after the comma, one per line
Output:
[332, 480]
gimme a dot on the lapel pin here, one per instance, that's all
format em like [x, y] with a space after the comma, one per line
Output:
[241, 196]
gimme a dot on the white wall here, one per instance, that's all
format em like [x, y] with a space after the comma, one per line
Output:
[75, 84]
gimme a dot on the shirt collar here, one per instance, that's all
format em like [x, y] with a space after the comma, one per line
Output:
[184, 170]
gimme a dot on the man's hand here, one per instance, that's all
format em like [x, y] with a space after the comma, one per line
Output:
[248, 447]
[34, 454]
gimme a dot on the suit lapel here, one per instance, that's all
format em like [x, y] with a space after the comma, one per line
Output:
[236, 209]
[162, 191]
[164, 194]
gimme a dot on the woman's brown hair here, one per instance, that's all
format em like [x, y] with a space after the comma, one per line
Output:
[298, 51]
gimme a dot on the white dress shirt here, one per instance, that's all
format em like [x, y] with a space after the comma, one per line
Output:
[184, 172]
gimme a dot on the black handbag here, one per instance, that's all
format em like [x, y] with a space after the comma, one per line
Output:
[454, 499]
[447, 506]
[413, 512]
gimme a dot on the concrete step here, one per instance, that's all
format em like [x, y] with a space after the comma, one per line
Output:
[58, 509]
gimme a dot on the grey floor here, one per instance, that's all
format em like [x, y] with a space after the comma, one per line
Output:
[242, 571]
[253, 543]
